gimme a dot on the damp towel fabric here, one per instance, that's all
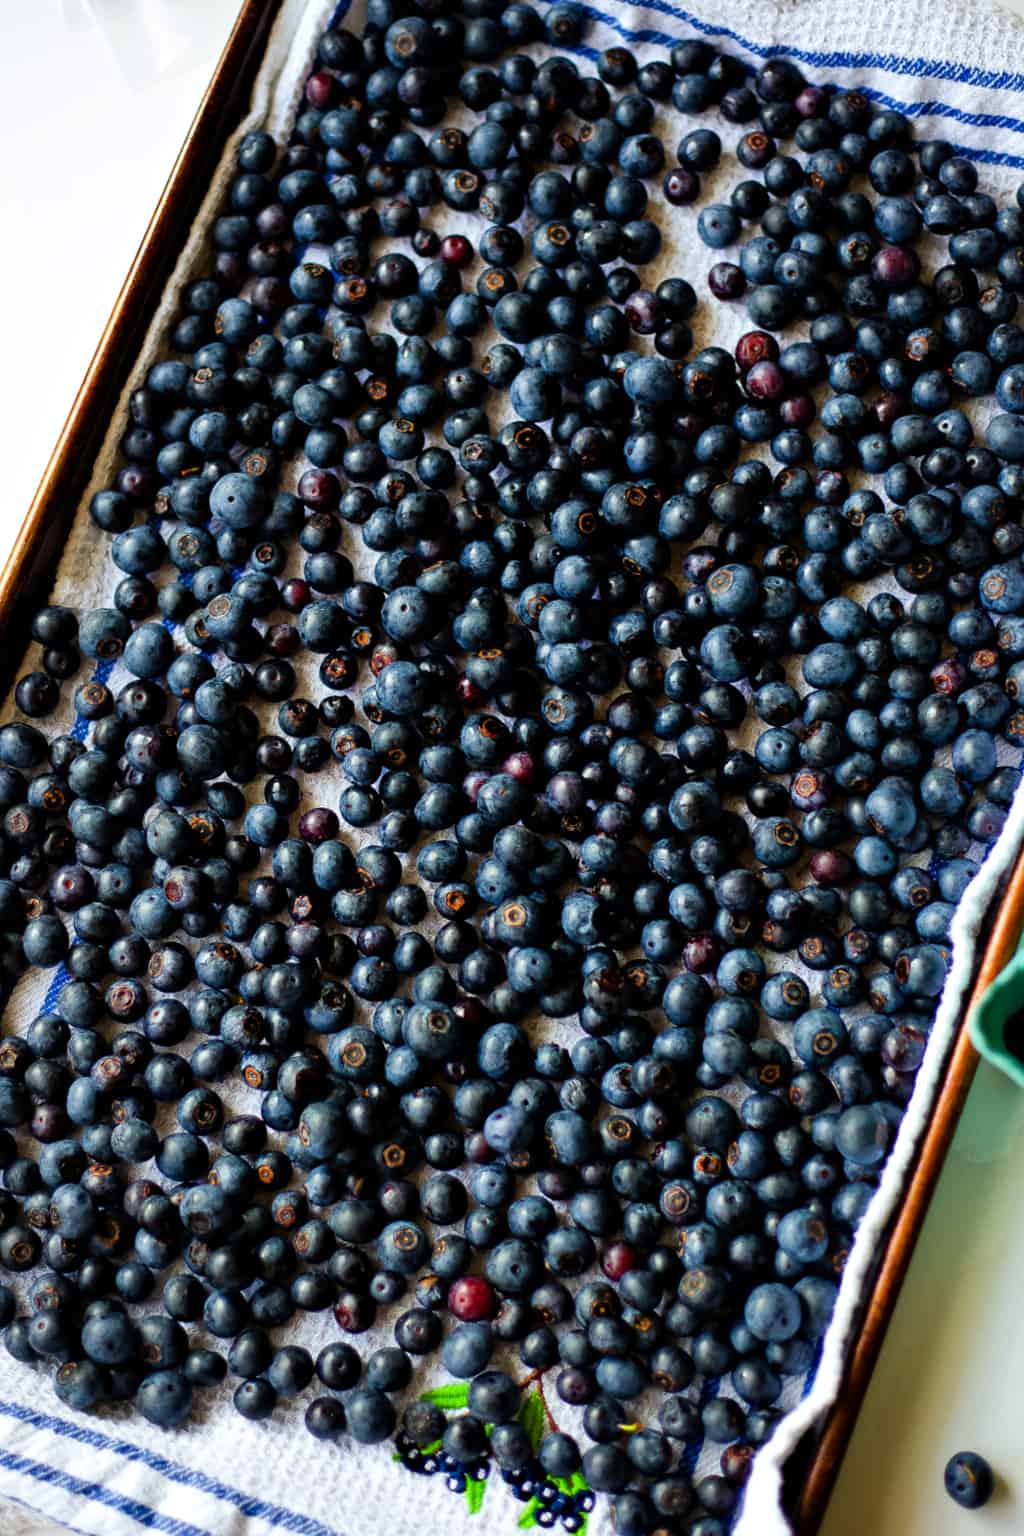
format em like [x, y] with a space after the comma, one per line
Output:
[962, 68]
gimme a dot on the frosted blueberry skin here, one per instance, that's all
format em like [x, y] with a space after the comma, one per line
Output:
[968, 1479]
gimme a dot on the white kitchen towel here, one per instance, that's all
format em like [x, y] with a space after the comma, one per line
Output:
[109, 1473]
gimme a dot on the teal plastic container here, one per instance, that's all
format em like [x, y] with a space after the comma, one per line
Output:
[997, 1023]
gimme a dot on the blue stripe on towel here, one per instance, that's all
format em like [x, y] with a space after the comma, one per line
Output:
[923, 69]
[808, 1381]
[891, 63]
[141, 1513]
[693, 1449]
[189, 1477]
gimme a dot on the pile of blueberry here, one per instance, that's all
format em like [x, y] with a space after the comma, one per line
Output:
[665, 695]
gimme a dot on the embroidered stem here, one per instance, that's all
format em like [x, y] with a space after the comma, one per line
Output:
[547, 1411]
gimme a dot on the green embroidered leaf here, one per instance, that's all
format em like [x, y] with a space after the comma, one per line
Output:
[426, 1450]
[476, 1487]
[528, 1518]
[533, 1418]
[455, 1395]
[578, 1484]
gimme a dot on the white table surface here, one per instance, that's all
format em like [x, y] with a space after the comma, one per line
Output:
[102, 93]
[106, 90]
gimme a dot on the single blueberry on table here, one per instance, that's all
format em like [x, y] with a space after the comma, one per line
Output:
[968, 1478]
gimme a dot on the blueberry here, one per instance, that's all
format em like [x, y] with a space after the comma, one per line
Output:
[204, 1367]
[371, 1416]
[494, 1396]
[863, 1135]
[605, 1468]
[338, 1366]
[255, 1399]
[164, 1398]
[290, 1370]
[968, 1479]
[467, 1350]
[325, 1418]
[772, 1312]
[509, 1129]
[110, 1340]
[718, 225]
[79, 1384]
[403, 1247]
